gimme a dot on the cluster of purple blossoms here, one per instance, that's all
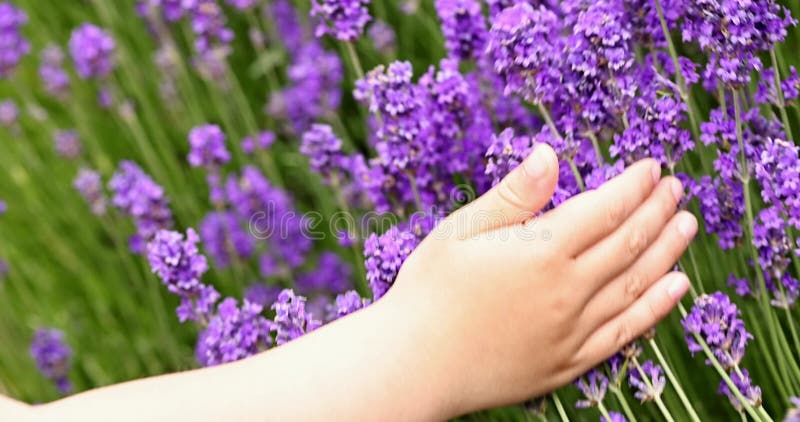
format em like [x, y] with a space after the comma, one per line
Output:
[178, 263]
[331, 275]
[525, 47]
[90, 185]
[593, 385]
[233, 333]
[750, 392]
[92, 51]
[168, 10]
[613, 417]
[207, 147]
[324, 150]
[52, 73]
[383, 37]
[139, 197]
[224, 239]
[775, 251]
[778, 173]
[734, 33]
[767, 92]
[722, 207]
[67, 144]
[262, 294]
[347, 303]
[505, 153]
[654, 376]
[9, 113]
[314, 89]
[291, 318]
[717, 322]
[342, 19]
[260, 142]
[52, 356]
[464, 28]
[287, 22]
[384, 255]
[13, 46]
[212, 37]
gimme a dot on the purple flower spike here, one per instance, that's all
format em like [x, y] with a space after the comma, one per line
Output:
[464, 28]
[750, 392]
[385, 255]
[347, 303]
[207, 147]
[655, 376]
[92, 51]
[615, 417]
[718, 322]
[224, 238]
[233, 333]
[139, 197]
[525, 47]
[262, 141]
[67, 144]
[9, 113]
[52, 73]
[89, 184]
[291, 318]
[331, 275]
[324, 150]
[593, 385]
[262, 294]
[505, 153]
[342, 19]
[13, 46]
[52, 357]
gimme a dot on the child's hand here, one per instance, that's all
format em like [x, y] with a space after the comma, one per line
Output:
[513, 306]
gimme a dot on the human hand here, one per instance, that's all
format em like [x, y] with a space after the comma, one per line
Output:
[511, 306]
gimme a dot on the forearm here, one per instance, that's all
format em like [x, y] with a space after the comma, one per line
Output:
[13, 410]
[369, 366]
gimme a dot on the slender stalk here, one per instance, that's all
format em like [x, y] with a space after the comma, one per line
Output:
[781, 99]
[596, 144]
[674, 381]
[351, 52]
[656, 397]
[559, 407]
[624, 403]
[549, 120]
[358, 256]
[415, 191]
[604, 412]
[727, 379]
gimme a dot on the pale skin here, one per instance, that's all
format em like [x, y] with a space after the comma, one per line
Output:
[494, 307]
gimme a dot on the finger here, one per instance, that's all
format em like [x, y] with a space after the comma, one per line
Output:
[589, 217]
[624, 290]
[631, 239]
[517, 198]
[644, 314]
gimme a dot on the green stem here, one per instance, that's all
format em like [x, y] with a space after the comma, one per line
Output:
[674, 381]
[559, 407]
[604, 411]
[656, 397]
[358, 256]
[549, 120]
[781, 99]
[624, 403]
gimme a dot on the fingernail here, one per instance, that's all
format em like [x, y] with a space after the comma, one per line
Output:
[656, 171]
[678, 286]
[536, 164]
[677, 189]
[687, 225]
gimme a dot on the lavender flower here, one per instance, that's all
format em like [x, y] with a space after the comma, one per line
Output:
[778, 173]
[347, 303]
[207, 147]
[90, 185]
[138, 196]
[654, 375]
[722, 207]
[67, 144]
[224, 239]
[767, 92]
[793, 414]
[750, 392]
[92, 51]
[261, 141]
[384, 255]
[3, 207]
[734, 32]
[505, 153]
[717, 321]
[168, 10]
[342, 19]
[52, 73]
[287, 23]
[291, 319]
[614, 417]
[233, 333]
[331, 275]
[52, 356]
[593, 385]
[13, 46]
[464, 28]
[383, 37]
[208, 24]
[324, 150]
[262, 294]
[525, 48]
[178, 263]
[9, 113]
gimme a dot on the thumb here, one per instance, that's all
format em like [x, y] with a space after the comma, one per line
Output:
[517, 198]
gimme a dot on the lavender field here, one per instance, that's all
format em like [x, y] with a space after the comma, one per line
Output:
[187, 183]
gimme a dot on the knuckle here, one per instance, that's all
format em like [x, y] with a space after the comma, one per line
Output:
[615, 213]
[635, 285]
[623, 335]
[510, 193]
[637, 241]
